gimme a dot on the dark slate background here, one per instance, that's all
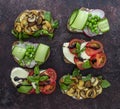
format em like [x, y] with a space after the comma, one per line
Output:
[61, 9]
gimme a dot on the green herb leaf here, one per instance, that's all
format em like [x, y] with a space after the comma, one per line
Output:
[37, 90]
[87, 78]
[86, 64]
[78, 46]
[55, 24]
[76, 72]
[105, 84]
[36, 70]
[47, 16]
[63, 86]
[24, 35]
[99, 77]
[33, 78]
[24, 89]
[15, 33]
[25, 82]
[67, 80]
[43, 78]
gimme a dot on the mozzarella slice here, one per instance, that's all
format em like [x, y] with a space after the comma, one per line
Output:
[67, 54]
[83, 45]
[84, 55]
[18, 72]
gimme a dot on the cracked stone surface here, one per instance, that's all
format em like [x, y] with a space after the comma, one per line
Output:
[61, 9]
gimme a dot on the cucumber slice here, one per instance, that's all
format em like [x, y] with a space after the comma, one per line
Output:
[103, 25]
[24, 89]
[80, 20]
[73, 16]
[18, 52]
[42, 53]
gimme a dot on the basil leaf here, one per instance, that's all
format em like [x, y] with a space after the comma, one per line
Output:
[105, 84]
[24, 89]
[43, 78]
[63, 86]
[87, 78]
[55, 24]
[78, 46]
[36, 70]
[33, 78]
[86, 64]
[25, 82]
[76, 72]
[37, 90]
[67, 80]
[47, 16]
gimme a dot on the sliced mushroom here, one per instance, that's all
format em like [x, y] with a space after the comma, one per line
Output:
[18, 27]
[28, 30]
[80, 85]
[98, 89]
[34, 28]
[91, 93]
[47, 25]
[74, 79]
[24, 23]
[77, 94]
[88, 84]
[83, 94]
[70, 92]
[22, 16]
[94, 81]
[32, 19]
[39, 20]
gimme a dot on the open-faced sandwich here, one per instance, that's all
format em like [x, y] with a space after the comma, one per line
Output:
[34, 23]
[84, 54]
[28, 54]
[35, 81]
[82, 87]
[92, 22]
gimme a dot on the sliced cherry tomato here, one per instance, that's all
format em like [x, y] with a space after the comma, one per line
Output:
[93, 47]
[98, 60]
[48, 89]
[78, 63]
[72, 45]
[51, 73]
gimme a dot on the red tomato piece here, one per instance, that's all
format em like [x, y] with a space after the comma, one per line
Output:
[98, 60]
[93, 47]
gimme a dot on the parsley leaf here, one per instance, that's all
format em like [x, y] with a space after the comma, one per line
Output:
[105, 84]
[67, 80]
[47, 16]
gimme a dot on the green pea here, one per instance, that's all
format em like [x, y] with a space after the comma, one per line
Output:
[89, 15]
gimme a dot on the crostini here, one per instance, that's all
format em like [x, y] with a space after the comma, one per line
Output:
[34, 23]
[84, 54]
[28, 54]
[35, 81]
[82, 87]
[92, 22]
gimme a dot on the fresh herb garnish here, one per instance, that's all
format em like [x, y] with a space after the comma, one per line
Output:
[76, 72]
[63, 86]
[36, 70]
[67, 80]
[105, 84]
[43, 32]
[87, 78]
[47, 16]
[55, 24]
[86, 64]
[78, 49]
[43, 78]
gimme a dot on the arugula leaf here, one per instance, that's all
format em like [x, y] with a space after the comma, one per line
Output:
[67, 80]
[47, 16]
[76, 72]
[36, 70]
[63, 86]
[43, 78]
[55, 24]
[43, 32]
[87, 78]
[86, 64]
[105, 84]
